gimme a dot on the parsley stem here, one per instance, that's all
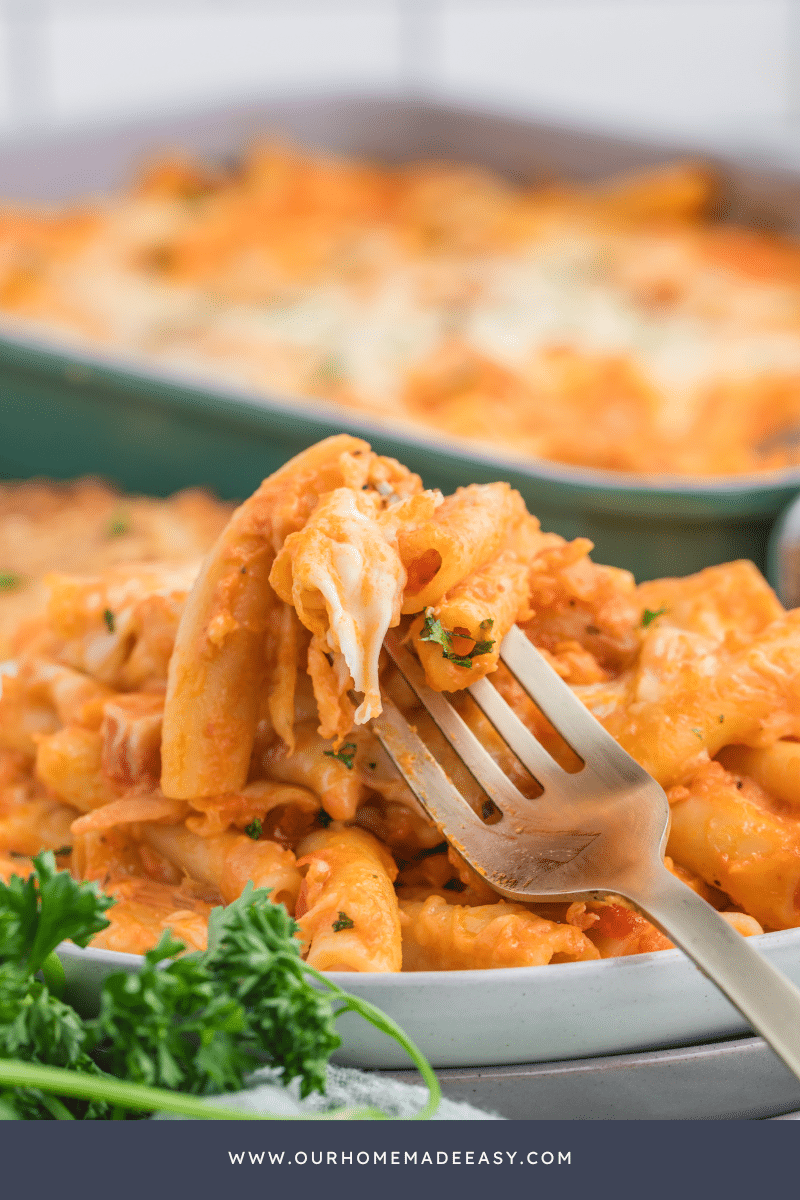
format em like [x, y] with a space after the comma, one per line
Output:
[57, 1110]
[148, 1099]
[54, 975]
[386, 1025]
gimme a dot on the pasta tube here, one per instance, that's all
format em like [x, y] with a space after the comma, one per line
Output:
[102, 621]
[726, 830]
[240, 809]
[688, 701]
[438, 936]
[315, 766]
[730, 600]
[285, 660]
[465, 531]
[70, 764]
[128, 811]
[218, 664]
[143, 909]
[347, 909]
[458, 641]
[228, 861]
[131, 739]
[775, 768]
[35, 823]
[76, 698]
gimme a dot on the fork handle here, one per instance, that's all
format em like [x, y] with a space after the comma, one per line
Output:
[764, 997]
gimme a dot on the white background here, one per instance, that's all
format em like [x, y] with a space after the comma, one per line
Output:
[728, 68]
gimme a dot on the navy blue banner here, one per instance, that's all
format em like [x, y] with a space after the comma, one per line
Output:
[562, 1160]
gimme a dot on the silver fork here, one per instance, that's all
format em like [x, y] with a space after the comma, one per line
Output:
[601, 830]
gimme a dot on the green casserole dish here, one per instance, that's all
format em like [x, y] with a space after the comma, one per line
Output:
[66, 411]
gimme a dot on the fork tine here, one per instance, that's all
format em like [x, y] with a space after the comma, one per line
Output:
[475, 757]
[604, 759]
[423, 774]
[557, 701]
[462, 827]
[530, 752]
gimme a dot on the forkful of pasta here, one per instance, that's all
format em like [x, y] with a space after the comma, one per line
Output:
[598, 830]
[343, 554]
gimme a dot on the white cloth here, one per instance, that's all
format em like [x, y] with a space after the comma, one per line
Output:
[346, 1088]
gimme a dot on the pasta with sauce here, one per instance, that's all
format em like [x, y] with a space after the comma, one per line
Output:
[614, 325]
[175, 732]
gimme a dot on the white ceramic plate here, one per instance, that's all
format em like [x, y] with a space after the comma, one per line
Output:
[517, 1014]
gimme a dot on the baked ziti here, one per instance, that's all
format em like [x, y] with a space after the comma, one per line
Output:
[613, 326]
[175, 730]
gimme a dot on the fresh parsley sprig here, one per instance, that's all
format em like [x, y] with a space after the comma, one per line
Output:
[180, 1029]
[172, 1026]
[254, 955]
[35, 1025]
[47, 908]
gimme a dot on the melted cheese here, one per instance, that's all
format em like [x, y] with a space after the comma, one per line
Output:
[348, 555]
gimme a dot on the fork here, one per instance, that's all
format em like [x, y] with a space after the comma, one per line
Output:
[597, 832]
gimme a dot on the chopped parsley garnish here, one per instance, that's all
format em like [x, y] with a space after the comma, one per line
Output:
[372, 766]
[9, 581]
[698, 733]
[330, 369]
[722, 718]
[433, 631]
[324, 818]
[119, 524]
[345, 755]
[648, 616]
[342, 922]
[454, 885]
[108, 617]
[253, 830]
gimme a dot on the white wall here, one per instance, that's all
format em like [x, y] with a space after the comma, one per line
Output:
[730, 66]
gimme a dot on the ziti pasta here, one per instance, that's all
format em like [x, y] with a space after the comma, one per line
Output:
[174, 731]
[613, 325]
[86, 526]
